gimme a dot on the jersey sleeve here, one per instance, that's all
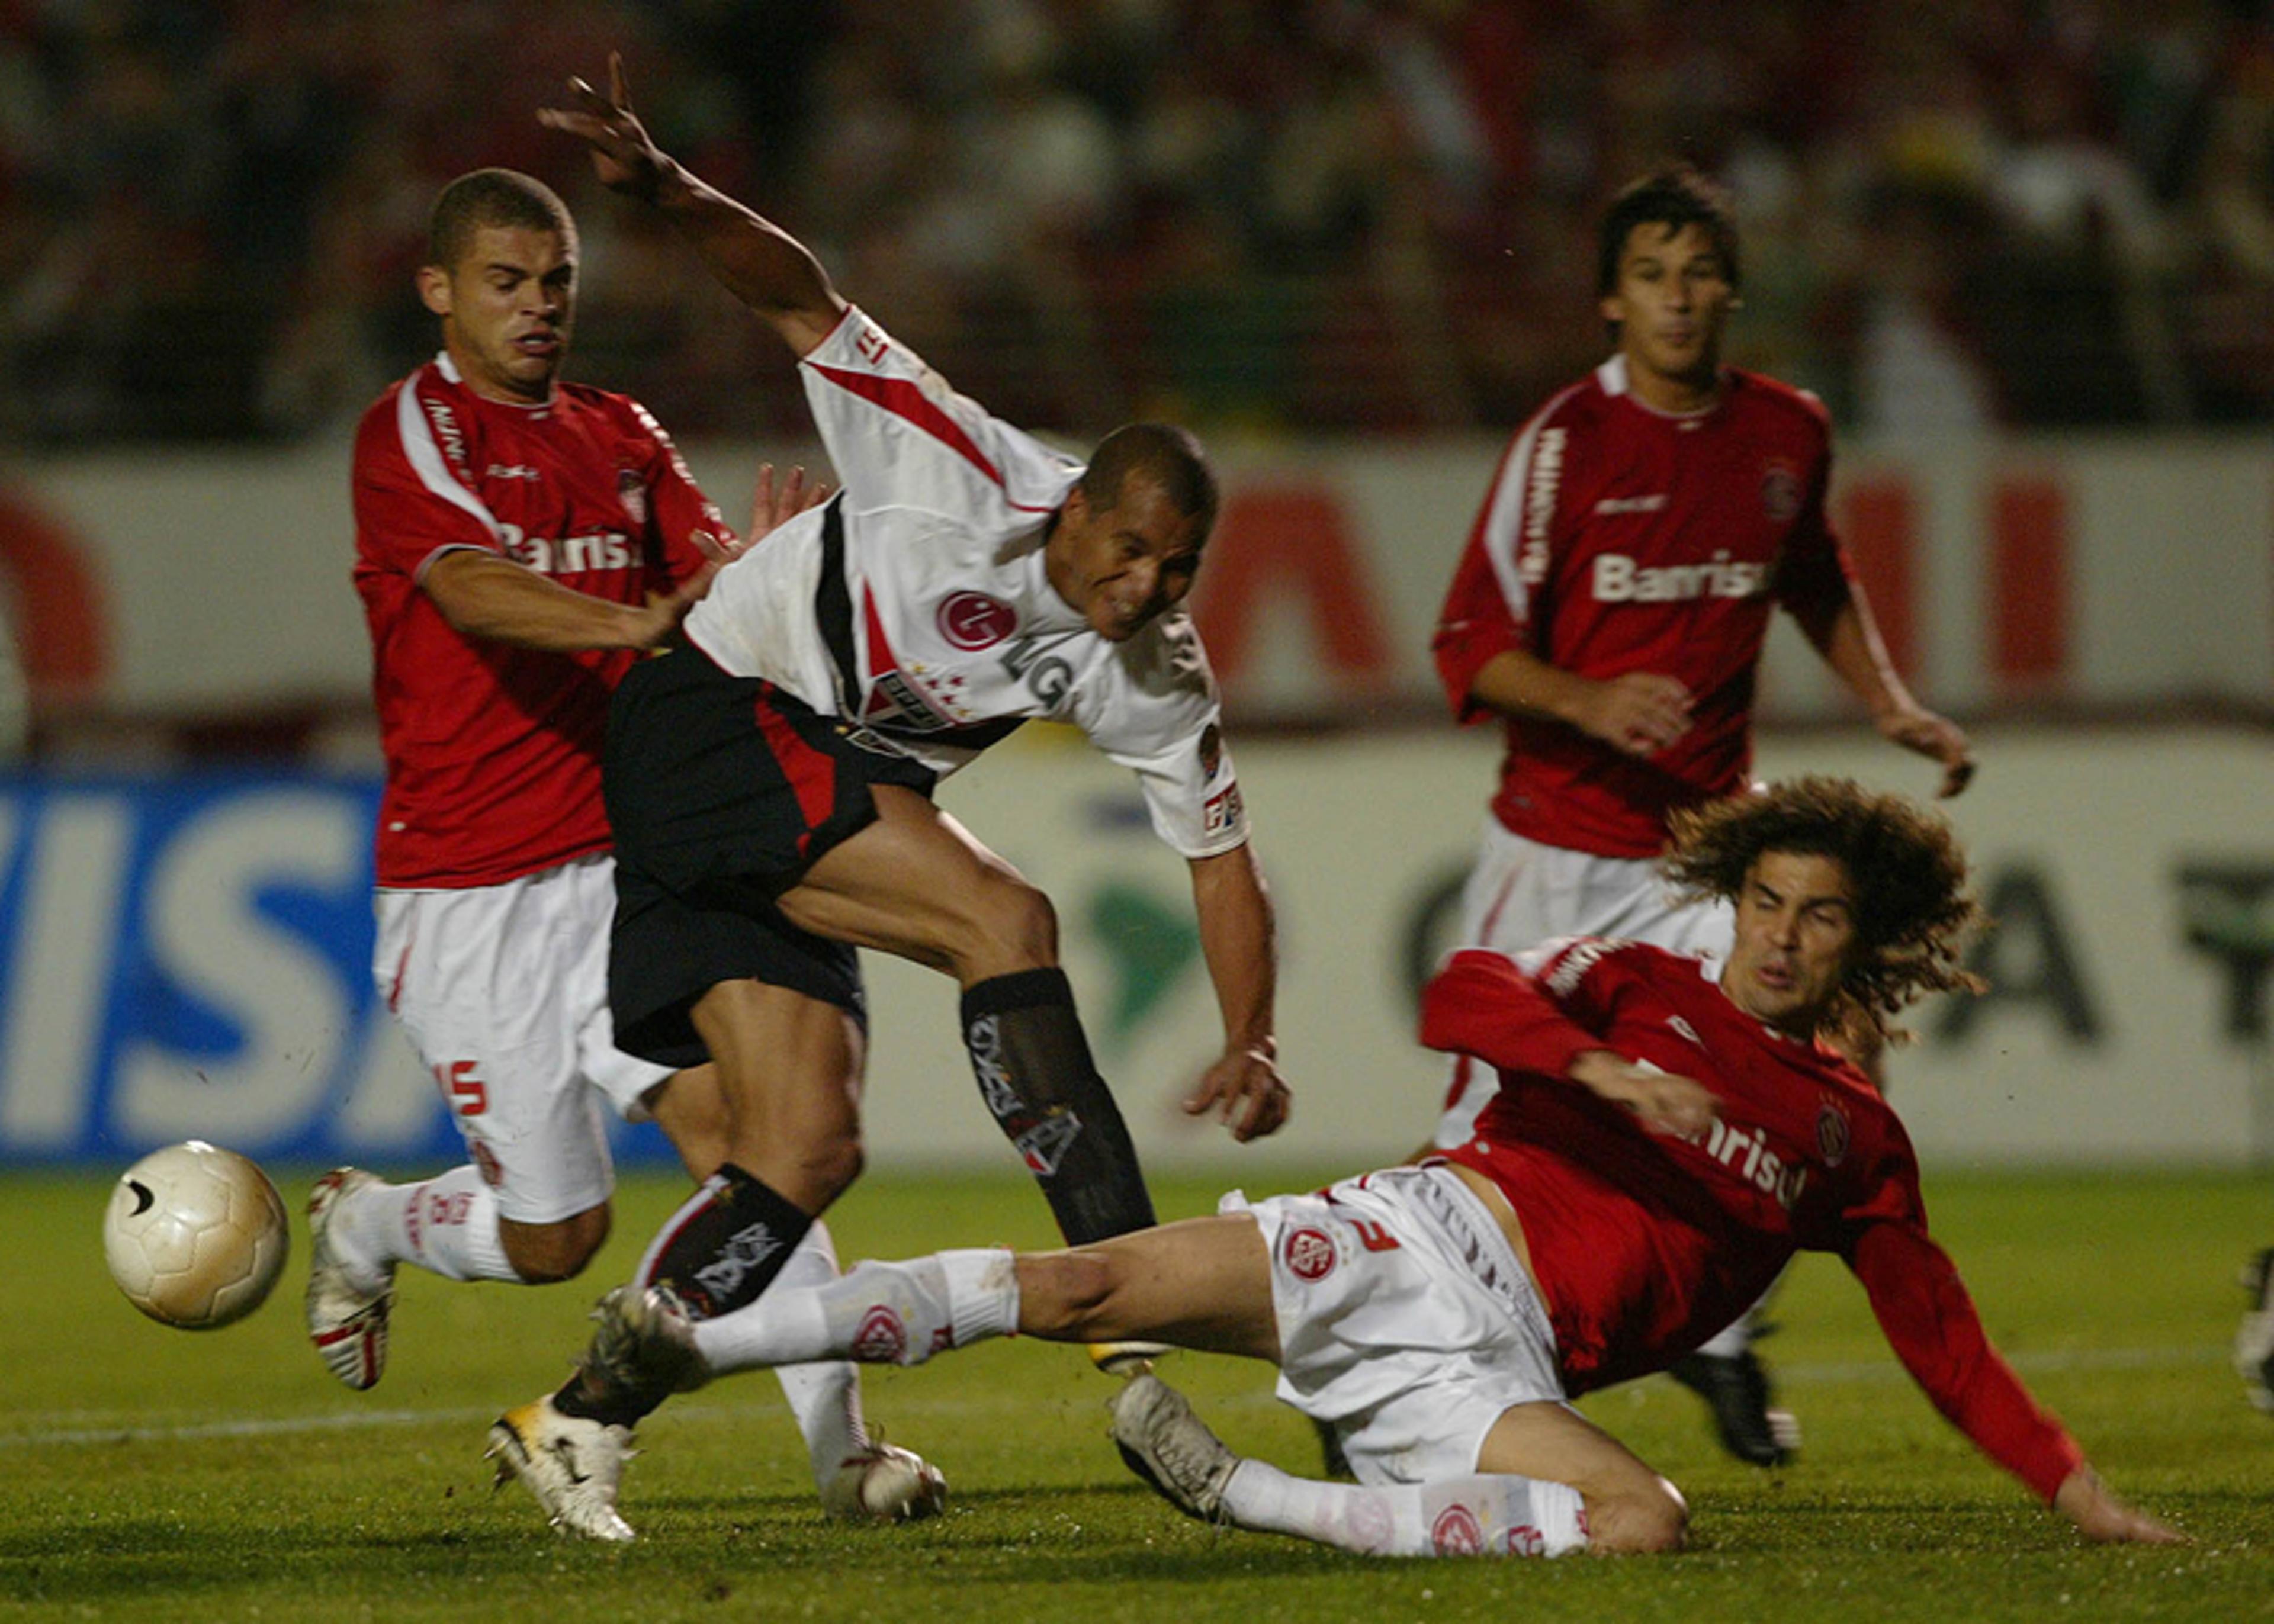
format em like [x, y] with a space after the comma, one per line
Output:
[898, 436]
[1493, 605]
[1931, 1322]
[1154, 709]
[683, 523]
[410, 500]
[1536, 1012]
[1813, 573]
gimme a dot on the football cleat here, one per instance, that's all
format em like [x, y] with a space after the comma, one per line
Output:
[642, 1345]
[1737, 1389]
[2254, 1338]
[347, 1324]
[1163, 1442]
[572, 1464]
[1127, 1358]
[885, 1483]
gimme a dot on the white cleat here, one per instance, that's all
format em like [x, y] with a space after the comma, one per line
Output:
[571, 1463]
[1163, 1442]
[885, 1483]
[347, 1323]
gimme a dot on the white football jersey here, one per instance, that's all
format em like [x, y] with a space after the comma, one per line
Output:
[916, 603]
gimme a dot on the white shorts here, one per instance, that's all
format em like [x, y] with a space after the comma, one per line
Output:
[503, 990]
[1405, 1321]
[1522, 893]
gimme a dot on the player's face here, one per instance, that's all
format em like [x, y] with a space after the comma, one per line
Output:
[1126, 566]
[1796, 937]
[506, 307]
[1672, 300]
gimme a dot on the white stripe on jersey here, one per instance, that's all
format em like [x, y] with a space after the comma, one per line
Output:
[1503, 532]
[425, 457]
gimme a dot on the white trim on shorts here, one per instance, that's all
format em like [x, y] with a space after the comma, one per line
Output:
[1405, 1321]
[505, 988]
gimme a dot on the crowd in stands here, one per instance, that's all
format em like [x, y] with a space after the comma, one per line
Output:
[1320, 215]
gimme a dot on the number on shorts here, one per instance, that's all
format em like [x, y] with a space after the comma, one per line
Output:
[469, 1096]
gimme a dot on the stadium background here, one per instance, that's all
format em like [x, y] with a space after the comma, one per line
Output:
[2025, 252]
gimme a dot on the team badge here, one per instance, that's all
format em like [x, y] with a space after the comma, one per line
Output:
[1831, 1134]
[633, 494]
[882, 1339]
[1779, 492]
[1308, 1253]
[1456, 1532]
[1524, 1540]
[973, 620]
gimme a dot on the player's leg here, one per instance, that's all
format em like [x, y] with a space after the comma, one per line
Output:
[1203, 1283]
[915, 883]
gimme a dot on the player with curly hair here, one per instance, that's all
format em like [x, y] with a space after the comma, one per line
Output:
[1662, 1141]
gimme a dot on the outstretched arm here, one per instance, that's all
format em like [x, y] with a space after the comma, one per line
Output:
[1239, 940]
[758, 261]
[1849, 639]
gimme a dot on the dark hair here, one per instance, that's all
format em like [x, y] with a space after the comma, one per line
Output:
[501, 197]
[1912, 906]
[1674, 197]
[1169, 456]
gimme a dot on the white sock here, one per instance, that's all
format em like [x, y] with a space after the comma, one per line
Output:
[825, 1397]
[447, 1225]
[1491, 1514]
[880, 1313]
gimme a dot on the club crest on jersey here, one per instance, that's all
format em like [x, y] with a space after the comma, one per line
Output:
[1779, 492]
[1831, 1134]
[1309, 1253]
[633, 494]
[973, 620]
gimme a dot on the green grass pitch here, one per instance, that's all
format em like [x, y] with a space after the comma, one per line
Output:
[158, 1473]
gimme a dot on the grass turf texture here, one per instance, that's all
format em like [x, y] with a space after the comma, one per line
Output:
[224, 1474]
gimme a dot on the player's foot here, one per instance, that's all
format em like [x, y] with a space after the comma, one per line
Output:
[1737, 1389]
[347, 1323]
[1169, 1446]
[885, 1483]
[2254, 1338]
[573, 1465]
[1127, 1358]
[642, 1345]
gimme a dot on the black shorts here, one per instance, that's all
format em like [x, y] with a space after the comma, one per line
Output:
[721, 792]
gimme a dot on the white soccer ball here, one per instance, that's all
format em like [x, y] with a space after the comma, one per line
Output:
[195, 1235]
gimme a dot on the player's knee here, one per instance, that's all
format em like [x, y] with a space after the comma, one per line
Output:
[1013, 924]
[1641, 1518]
[545, 1253]
[832, 1164]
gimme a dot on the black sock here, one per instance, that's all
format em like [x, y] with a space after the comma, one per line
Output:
[1035, 1074]
[722, 1250]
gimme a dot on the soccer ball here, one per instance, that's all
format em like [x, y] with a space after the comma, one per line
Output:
[195, 1235]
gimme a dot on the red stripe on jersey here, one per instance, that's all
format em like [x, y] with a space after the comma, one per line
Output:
[2029, 580]
[811, 774]
[904, 400]
[1877, 518]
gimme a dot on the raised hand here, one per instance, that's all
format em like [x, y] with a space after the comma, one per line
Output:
[624, 156]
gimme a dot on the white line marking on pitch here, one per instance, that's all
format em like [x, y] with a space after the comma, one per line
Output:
[1869, 1371]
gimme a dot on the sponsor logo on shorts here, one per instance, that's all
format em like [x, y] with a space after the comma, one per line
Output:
[744, 1252]
[1045, 1144]
[1456, 1532]
[882, 1339]
[1831, 1134]
[1222, 813]
[1308, 1253]
[973, 620]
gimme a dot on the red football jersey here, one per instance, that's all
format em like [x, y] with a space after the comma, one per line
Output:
[1645, 1245]
[493, 752]
[1618, 538]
